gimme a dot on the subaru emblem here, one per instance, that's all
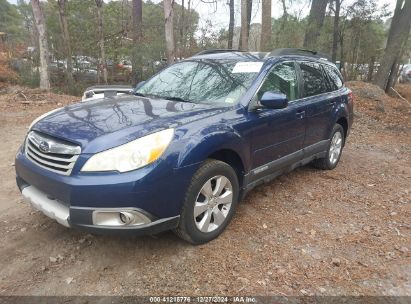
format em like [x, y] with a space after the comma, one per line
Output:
[44, 146]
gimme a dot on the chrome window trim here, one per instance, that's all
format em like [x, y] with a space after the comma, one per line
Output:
[253, 101]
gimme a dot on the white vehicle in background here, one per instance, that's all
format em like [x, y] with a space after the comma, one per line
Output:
[102, 91]
[405, 76]
[125, 64]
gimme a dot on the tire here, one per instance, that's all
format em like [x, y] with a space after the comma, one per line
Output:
[204, 194]
[329, 162]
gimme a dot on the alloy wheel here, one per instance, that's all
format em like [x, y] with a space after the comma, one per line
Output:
[213, 203]
[335, 147]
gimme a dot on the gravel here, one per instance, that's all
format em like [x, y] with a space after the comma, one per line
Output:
[309, 232]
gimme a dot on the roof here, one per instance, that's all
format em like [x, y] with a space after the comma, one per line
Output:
[299, 52]
[224, 54]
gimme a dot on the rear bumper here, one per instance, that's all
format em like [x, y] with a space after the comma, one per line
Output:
[82, 218]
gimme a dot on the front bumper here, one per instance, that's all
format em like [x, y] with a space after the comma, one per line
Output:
[50, 207]
[156, 191]
[82, 218]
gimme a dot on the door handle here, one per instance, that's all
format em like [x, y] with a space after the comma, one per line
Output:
[300, 114]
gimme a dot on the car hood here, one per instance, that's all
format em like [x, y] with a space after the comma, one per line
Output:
[110, 122]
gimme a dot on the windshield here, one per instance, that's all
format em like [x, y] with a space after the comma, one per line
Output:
[202, 81]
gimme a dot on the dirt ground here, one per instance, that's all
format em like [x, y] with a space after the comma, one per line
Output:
[340, 232]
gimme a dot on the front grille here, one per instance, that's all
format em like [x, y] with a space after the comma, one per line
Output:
[51, 153]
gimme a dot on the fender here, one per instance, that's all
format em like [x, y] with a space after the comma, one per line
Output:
[340, 111]
[217, 137]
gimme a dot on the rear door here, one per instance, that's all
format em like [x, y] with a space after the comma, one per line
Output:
[320, 100]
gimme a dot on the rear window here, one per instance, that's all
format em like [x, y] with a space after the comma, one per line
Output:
[333, 76]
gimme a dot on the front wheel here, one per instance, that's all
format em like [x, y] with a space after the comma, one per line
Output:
[210, 202]
[334, 151]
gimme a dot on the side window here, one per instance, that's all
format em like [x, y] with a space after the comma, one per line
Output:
[334, 76]
[313, 79]
[282, 78]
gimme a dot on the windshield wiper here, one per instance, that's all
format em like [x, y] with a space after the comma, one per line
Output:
[175, 98]
[139, 94]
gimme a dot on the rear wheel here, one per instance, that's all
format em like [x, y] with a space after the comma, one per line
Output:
[334, 151]
[210, 202]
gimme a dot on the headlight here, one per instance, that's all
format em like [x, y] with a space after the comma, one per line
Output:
[131, 156]
[42, 116]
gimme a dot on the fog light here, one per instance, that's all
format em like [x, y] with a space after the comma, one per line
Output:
[126, 217]
[116, 217]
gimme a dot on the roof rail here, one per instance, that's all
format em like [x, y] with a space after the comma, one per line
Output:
[301, 52]
[214, 51]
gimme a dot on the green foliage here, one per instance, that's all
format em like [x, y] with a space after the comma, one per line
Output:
[288, 33]
[82, 23]
[29, 75]
[11, 22]
[361, 31]
[81, 18]
[363, 34]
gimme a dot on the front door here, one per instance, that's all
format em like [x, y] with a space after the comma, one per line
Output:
[278, 134]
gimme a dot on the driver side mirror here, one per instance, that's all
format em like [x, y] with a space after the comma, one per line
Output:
[274, 100]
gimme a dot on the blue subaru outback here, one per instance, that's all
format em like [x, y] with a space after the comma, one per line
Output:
[187, 145]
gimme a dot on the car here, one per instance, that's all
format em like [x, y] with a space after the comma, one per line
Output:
[405, 75]
[182, 151]
[125, 65]
[101, 91]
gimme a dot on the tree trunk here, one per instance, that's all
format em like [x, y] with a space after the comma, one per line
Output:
[249, 10]
[66, 40]
[265, 43]
[284, 20]
[342, 58]
[315, 23]
[285, 15]
[231, 25]
[43, 45]
[336, 29]
[353, 72]
[371, 67]
[399, 71]
[394, 73]
[182, 26]
[169, 30]
[244, 25]
[137, 16]
[397, 36]
[103, 66]
[189, 30]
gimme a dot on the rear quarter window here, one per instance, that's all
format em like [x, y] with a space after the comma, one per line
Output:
[334, 77]
[314, 82]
